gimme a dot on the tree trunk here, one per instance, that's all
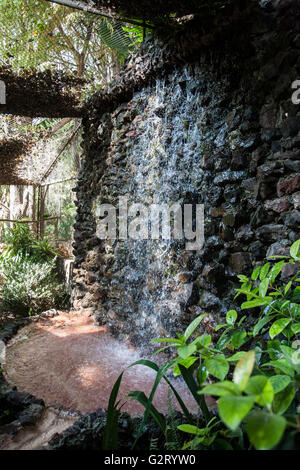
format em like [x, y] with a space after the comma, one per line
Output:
[22, 202]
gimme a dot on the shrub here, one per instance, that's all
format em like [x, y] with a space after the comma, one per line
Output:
[253, 372]
[28, 270]
[30, 286]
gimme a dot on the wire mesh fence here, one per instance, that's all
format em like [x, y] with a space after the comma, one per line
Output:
[47, 205]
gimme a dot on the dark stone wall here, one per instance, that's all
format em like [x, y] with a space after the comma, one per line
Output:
[198, 118]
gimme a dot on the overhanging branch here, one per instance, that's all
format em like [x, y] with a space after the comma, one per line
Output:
[95, 11]
[82, 6]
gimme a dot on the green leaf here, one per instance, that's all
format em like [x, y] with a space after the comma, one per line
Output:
[203, 340]
[202, 375]
[243, 369]
[279, 382]
[160, 373]
[287, 351]
[255, 303]
[288, 333]
[246, 291]
[217, 366]
[264, 430]
[273, 348]
[294, 309]
[160, 350]
[283, 365]
[294, 250]
[275, 271]
[233, 409]
[263, 287]
[278, 326]
[185, 351]
[262, 388]
[192, 326]
[180, 401]
[187, 363]
[238, 339]
[283, 399]
[295, 328]
[144, 401]
[255, 273]
[193, 387]
[283, 306]
[188, 428]
[173, 341]
[287, 287]
[113, 35]
[264, 271]
[221, 389]
[218, 327]
[260, 324]
[231, 317]
[224, 339]
[110, 438]
[237, 356]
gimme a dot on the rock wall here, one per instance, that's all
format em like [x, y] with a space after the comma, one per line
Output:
[202, 117]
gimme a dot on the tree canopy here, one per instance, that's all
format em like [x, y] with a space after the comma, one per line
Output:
[51, 58]
[43, 35]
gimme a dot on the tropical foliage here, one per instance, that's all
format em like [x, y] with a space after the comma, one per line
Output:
[20, 241]
[253, 372]
[28, 271]
[30, 287]
[44, 35]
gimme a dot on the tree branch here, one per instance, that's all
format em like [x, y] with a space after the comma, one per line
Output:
[59, 125]
[67, 39]
[95, 11]
[60, 151]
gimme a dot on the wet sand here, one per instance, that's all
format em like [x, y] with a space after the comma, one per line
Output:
[70, 363]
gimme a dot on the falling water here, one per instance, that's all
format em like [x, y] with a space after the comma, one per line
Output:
[150, 284]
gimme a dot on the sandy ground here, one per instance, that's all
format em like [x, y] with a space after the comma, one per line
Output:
[70, 363]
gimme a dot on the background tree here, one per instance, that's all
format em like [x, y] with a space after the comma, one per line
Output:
[44, 35]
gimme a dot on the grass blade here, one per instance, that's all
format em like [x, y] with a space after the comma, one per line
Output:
[143, 400]
[110, 438]
[189, 380]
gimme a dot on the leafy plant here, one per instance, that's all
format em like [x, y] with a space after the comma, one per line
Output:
[29, 286]
[113, 35]
[29, 283]
[43, 248]
[256, 390]
[18, 238]
[20, 241]
[279, 304]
